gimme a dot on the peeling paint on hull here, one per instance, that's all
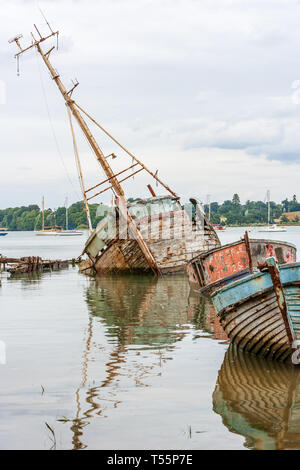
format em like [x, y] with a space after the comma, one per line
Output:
[252, 317]
[225, 264]
[171, 253]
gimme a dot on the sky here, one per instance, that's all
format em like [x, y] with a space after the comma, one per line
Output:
[207, 92]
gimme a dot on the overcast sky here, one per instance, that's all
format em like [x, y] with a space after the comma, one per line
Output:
[206, 91]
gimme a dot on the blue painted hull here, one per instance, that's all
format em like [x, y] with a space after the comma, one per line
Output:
[253, 285]
[251, 316]
[2, 234]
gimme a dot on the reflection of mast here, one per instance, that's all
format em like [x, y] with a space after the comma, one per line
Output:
[79, 423]
[126, 328]
[113, 365]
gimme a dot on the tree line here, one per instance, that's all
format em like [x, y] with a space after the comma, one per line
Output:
[230, 212]
[30, 217]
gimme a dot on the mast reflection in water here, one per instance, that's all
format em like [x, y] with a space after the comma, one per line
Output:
[142, 318]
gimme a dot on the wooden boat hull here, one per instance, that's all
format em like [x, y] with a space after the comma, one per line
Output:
[252, 316]
[171, 256]
[70, 233]
[171, 238]
[223, 265]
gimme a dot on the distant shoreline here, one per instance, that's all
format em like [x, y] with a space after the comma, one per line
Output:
[264, 225]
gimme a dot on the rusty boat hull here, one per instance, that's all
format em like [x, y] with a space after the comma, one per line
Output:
[220, 266]
[261, 313]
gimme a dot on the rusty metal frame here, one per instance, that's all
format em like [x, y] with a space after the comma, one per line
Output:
[109, 187]
[108, 179]
[151, 190]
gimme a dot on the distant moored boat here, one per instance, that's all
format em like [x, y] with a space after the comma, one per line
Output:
[272, 228]
[219, 227]
[69, 232]
[48, 231]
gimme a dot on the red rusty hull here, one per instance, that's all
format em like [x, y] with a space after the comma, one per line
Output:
[222, 265]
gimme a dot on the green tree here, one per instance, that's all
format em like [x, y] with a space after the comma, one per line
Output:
[236, 200]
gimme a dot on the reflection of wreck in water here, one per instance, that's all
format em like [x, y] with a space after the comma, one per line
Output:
[150, 312]
[205, 317]
[34, 278]
[141, 316]
[260, 400]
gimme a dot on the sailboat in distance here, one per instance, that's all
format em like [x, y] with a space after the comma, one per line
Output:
[69, 232]
[52, 230]
[155, 234]
[271, 227]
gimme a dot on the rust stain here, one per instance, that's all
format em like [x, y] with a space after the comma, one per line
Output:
[225, 262]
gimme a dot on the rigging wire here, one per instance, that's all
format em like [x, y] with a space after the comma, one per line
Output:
[79, 170]
[53, 130]
[125, 149]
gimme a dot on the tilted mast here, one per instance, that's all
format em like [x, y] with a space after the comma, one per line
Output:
[76, 113]
[111, 177]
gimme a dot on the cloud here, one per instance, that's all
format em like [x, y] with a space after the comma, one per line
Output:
[204, 90]
[234, 135]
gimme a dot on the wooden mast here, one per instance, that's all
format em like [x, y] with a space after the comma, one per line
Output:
[70, 103]
[269, 214]
[80, 173]
[67, 221]
[84, 127]
[43, 214]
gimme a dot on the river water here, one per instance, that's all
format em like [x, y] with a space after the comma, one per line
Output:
[130, 362]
